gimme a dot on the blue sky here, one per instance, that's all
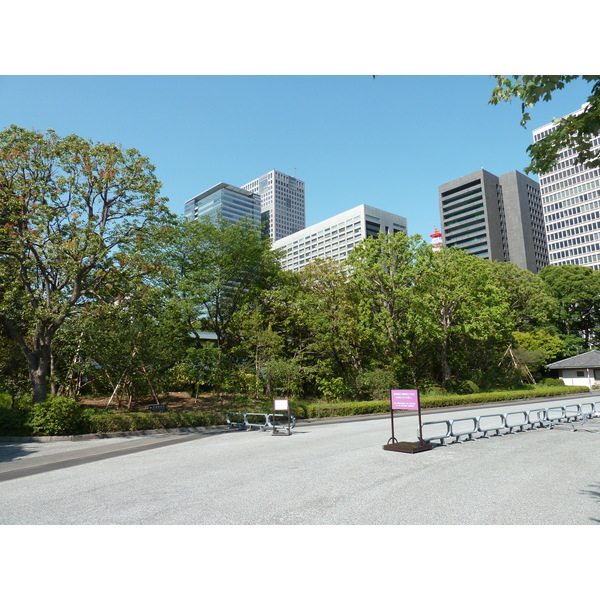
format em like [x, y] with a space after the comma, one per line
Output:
[388, 142]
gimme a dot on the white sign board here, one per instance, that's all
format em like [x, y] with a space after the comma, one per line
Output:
[281, 404]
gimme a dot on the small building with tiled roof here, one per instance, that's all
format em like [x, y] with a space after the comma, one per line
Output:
[583, 369]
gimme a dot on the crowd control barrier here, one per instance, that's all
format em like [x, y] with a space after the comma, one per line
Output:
[469, 428]
[260, 421]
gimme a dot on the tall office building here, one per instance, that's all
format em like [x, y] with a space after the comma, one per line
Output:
[499, 218]
[282, 202]
[230, 202]
[335, 237]
[571, 205]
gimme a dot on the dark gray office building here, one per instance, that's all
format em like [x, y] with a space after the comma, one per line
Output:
[499, 218]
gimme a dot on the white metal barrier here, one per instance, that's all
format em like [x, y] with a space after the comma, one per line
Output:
[511, 422]
[260, 421]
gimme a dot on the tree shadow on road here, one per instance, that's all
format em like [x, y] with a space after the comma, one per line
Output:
[9, 451]
[594, 493]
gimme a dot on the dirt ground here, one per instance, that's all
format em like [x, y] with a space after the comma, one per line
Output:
[175, 401]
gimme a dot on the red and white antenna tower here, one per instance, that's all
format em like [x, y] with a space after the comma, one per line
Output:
[436, 239]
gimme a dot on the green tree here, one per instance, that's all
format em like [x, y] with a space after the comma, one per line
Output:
[576, 290]
[384, 271]
[573, 131]
[66, 207]
[467, 310]
[212, 269]
[329, 301]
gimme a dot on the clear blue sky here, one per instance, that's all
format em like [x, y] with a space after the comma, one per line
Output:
[388, 142]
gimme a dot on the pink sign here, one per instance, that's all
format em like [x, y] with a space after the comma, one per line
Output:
[405, 400]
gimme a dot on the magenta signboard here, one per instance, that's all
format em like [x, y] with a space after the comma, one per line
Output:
[405, 400]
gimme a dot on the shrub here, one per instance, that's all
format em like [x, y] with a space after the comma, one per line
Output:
[112, 422]
[376, 385]
[456, 386]
[551, 381]
[57, 416]
[14, 422]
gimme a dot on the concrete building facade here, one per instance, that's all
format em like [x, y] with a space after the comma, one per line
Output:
[498, 218]
[571, 205]
[228, 201]
[282, 203]
[335, 237]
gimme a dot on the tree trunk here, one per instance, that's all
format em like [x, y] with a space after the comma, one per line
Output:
[446, 373]
[39, 368]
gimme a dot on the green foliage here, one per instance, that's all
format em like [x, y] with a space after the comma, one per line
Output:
[553, 382]
[376, 384]
[576, 290]
[66, 207]
[573, 131]
[378, 407]
[332, 388]
[456, 386]
[14, 422]
[107, 422]
[57, 416]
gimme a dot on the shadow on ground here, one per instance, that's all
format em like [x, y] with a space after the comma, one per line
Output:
[10, 451]
[594, 493]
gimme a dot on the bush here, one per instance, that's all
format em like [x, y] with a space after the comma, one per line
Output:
[456, 386]
[550, 381]
[362, 408]
[14, 422]
[113, 422]
[376, 385]
[57, 416]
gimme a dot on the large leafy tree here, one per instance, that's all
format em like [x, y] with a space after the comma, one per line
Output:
[66, 206]
[212, 269]
[467, 309]
[576, 290]
[384, 271]
[573, 131]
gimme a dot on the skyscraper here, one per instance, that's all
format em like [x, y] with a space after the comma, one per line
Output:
[230, 202]
[499, 218]
[282, 203]
[571, 205]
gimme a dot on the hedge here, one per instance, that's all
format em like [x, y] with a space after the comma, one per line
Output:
[345, 409]
[43, 420]
[138, 421]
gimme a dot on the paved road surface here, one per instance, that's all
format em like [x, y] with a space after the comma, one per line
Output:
[333, 473]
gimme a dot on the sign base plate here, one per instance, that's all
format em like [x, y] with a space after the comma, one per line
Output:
[409, 447]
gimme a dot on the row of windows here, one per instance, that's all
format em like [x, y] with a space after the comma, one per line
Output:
[572, 191]
[582, 239]
[572, 181]
[593, 261]
[577, 200]
[581, 219]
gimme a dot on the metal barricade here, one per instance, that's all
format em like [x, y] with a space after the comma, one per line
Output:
[496, 423]
[556, 414]
[516, 420]
[237, 424]
[572, 412]
[467, 426]
[256, 421]
[433, 431]
[537, 417]
[271, 423]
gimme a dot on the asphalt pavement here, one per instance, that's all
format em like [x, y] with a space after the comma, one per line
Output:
[330, 472]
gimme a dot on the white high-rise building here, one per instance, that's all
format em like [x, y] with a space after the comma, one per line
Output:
[571, 205]
[334, 238]
[282, 203]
